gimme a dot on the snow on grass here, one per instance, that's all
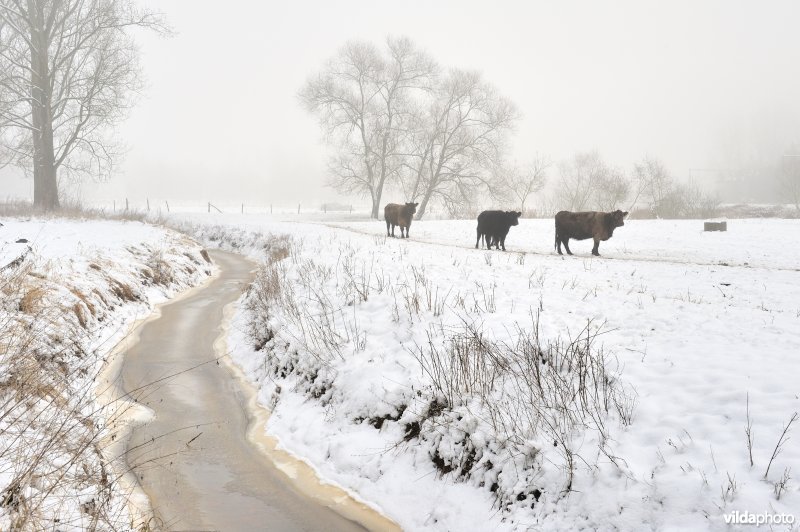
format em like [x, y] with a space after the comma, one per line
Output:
[71, 290]
[694, 325]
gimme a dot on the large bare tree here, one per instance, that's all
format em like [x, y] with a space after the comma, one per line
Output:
[362, 99]
[68, 70]
[461, 137]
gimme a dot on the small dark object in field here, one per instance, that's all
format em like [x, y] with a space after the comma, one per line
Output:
[399, 215]
[204, 254]
[715, 226]
[493, 227]
[582, 225]
[22, 241]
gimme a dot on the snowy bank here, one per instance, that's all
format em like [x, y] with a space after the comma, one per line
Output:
[71, 291]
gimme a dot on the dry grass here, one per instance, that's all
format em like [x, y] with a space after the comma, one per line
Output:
[71, 210]
[31, 301]
[55, 465]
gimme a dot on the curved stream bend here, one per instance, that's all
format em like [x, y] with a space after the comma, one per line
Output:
[193, 459]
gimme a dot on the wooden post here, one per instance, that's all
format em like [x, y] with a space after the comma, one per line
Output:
[209, 207]
[270, 208]
[115, 205]
[242, 208]
[126, 204]
[165, 201]
[298, 208]
[148, 204]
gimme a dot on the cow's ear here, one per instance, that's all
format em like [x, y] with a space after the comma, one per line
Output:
[519, 214]
[624, 214]
[416, 204]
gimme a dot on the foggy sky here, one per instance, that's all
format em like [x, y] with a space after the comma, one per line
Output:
[689, 82]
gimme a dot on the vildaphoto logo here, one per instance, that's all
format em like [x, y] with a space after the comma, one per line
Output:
[757, 519]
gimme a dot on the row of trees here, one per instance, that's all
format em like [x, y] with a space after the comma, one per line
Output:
[587, 182]
[397, 118]
[68, 69]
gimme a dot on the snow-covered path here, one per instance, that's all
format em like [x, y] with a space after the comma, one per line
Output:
[193, 458]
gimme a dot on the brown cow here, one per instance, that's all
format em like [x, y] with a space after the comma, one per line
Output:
[401, 215]
[583, 225]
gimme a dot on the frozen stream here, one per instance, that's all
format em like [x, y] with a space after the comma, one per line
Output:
[203, 459]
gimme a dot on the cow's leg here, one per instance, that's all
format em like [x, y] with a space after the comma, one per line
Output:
[566, 246]
[393, 226]
[503, 243]
[477, 240]
[387, 228]
[595, 250]
[558, 245]
[408, 228]
[403, 232]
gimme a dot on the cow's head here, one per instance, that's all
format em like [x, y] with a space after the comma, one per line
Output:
[513, 217]
[411, 208]
[618, 218]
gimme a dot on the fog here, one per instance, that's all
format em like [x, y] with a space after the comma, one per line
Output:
[699, 85]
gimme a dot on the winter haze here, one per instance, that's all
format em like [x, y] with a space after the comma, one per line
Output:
[703, 86]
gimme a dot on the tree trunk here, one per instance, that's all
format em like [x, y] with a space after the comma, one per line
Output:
[424, 204]
[375, 207]
[45, 180]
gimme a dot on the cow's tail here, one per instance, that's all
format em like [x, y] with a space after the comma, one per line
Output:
[555, 245]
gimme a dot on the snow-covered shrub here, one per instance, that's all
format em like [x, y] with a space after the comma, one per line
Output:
[517, 398]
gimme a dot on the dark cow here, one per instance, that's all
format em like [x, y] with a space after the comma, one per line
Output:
[401, 215]
[583, 225]
[493, 227]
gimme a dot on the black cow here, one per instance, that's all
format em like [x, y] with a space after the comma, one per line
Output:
[493, 227]
[583, 225]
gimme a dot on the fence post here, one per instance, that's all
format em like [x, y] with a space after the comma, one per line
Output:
[148, 204]
[126, 204]
[165, 201]
[298, 208]
[270, 208]
[242, 208]
[209, 207]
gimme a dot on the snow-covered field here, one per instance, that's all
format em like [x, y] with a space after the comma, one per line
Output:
[692, 324]
[71, 290]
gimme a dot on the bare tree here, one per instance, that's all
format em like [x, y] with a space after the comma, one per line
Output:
[521, 182]
[613, 187]
[362, 99]
[68, 70]
[666, 198]
[653, 185]
[581, 177]
[461, 137]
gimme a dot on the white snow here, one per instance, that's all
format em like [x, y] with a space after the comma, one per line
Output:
[698, 321]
